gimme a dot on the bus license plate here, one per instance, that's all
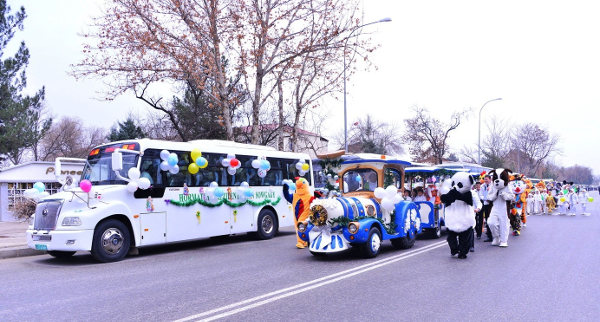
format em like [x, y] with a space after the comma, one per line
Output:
[41, 247]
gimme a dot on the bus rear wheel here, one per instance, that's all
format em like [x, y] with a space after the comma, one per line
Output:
[111, 241]
[266, 224]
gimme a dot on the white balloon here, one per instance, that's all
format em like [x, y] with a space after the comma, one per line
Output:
[244, 184]
[225, 162]
[230, 156]
[134, 174]
[30, 193]
[301, 173]
[255, 163]
[387, 204]
[336, 177]
[164, 166]
[262, 173]
[231, 171]
[397, 198]
[132, 186]
[390, 192]
[164, 155]
[298, 166]
[379, 193]
[144, 183]
[213, 184]
[174, 170]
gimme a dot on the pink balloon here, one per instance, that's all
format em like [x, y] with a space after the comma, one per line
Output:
[85, 185]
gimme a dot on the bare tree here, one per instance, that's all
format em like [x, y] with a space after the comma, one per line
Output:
[427, 136]
[368, 135]
[495, 146]
[532, 145]
[69, 138]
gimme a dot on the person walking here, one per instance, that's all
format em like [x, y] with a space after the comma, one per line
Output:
[486, 208]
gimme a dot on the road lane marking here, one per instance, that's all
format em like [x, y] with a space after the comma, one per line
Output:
[306, 286]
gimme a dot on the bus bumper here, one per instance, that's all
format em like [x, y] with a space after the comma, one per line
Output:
[72, 240]
[327, 242]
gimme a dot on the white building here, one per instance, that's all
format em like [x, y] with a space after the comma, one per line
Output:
[16, 179]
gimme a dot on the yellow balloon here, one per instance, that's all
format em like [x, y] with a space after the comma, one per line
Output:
[305, 167]
[563, 199]
[193, 168]
[196, 154]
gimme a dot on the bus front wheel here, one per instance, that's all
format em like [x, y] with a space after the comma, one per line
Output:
[267, 224]
[111, 241]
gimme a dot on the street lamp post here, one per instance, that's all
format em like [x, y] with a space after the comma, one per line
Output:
[479, 131]
[345, 112]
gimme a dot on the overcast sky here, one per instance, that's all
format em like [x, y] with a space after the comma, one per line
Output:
[541, 57]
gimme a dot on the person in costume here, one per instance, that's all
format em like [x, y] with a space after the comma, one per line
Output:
[300, 201]
[459, 212]
[584, 198]
[502, 197]
[486, 208]
[519, 188]
[573, 202]
[562, 203]
[550, 203]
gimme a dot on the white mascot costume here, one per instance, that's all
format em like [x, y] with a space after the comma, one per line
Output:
[501, 196]
[459, 214]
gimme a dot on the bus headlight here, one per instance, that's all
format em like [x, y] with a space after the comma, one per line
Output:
[353, 227]
[301, 227]
[71, 221]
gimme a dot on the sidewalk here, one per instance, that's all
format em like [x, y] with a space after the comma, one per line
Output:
[13, 242]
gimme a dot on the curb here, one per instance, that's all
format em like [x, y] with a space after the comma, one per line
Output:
[19, 252]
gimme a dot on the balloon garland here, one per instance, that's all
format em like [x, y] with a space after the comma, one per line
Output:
[231, 163]
[198, 161]
[37, 192]
[389, 197]
[262, 165]
[302, 167]
[135, 180]
[169, 162]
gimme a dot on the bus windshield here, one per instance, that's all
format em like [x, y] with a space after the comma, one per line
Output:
[98, 168]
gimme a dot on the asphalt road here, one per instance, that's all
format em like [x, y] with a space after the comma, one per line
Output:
[549, 273]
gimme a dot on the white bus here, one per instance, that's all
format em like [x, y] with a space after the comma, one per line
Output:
[179, 205]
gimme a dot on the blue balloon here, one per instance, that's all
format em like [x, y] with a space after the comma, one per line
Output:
[201, 161]
[265, 165]
[357, 178]
[173, 159]
[292, 186]
[219, 192]
[248, 193]
[39, 186]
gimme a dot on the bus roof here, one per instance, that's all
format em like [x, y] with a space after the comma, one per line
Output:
[371, 157]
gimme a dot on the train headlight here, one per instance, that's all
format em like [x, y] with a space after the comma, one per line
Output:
[353, 227]
[301, 227]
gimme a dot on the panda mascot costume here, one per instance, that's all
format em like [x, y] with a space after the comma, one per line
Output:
[502, 198]
[459, 213]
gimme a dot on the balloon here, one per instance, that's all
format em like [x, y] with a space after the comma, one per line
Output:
[301, 173]
[265, 165]
[201, 162]
[329, 176]
[133, 173]
[256, 163]
[230, 156]
[30, 193]
[42, 195]
[563, 199]
[357, 178]
[336, 177]
[590, 199]
[305, 167]
[132, 186]
[390, 192]
[213, 184]
[219, 192]
[379, 193]
[397, 198]
[173, 160]
[193, 168]
[144, 183]
[248, 193]
[292, 186]
[174, 170]
[164, 166]
[196, 154]
[244, 184]
[433, 179]
[39, 186]
[164, 155]
[231, 171]
[225, 162]
[86, 185]
[262, 173]
[298, 166]
[387, 204]
[235, 163]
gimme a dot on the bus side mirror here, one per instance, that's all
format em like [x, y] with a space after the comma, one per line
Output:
[117, 161]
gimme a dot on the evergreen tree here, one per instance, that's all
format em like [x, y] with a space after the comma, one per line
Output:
[197, 117]
[125, 131]
[21, 124]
